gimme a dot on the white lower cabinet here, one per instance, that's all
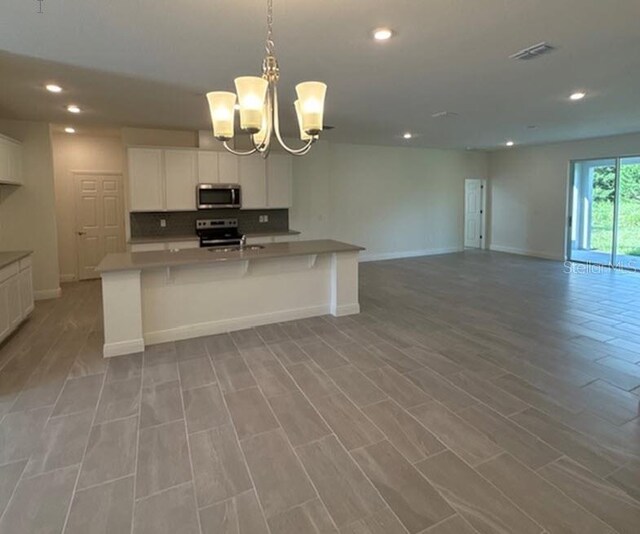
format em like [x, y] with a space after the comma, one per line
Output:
[26, 290]
[16, 295]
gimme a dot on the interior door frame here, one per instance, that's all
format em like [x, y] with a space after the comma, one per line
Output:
[483, 213]
[75, 174]
[616, 210]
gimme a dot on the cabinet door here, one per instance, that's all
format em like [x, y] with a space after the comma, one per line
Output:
[279, 180]
[15, 306]
[26, 291]
[5, 323]
[146, 180]
[15, 163]
[208, 167]
[181, 174]
[253, 180]
[4, 161]
[227, 168]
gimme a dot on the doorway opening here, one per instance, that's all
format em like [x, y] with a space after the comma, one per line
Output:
[604, 212]
[474, 213]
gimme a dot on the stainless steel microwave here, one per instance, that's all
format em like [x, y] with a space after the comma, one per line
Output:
[212, 196]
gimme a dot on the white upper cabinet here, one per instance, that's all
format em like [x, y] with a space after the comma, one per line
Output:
[10, 161]
[279, 181]
[253, 180]
[228, 168]
[146, 180]
[208, 167]
[181, 175]
[165, 179]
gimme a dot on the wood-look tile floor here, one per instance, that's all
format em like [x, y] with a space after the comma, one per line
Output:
[475, 393]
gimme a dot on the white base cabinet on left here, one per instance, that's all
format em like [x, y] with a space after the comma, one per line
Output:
[16, 295]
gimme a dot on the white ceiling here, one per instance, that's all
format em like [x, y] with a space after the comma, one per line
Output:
[149, 63]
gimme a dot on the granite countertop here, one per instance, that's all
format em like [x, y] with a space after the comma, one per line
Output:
[10, 256]
[162, 239]
[127, 261]
[193, 237]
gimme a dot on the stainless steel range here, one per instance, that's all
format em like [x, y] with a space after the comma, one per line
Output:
[218, 232]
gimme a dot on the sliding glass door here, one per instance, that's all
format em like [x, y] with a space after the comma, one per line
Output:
[604, 226]
[628, 234]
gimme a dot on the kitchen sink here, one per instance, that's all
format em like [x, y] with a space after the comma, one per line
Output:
[236, 248]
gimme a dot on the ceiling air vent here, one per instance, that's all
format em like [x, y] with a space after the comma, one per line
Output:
[532, 52]
[444, 114]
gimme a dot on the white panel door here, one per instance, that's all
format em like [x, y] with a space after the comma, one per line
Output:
[473, 213]
[99, 220]
[13, 297]
[146, 180]
[253, 179]
[208, 167]
[181, 174]
[228, 168]
[279, 180]
[26, 290]
[5, 323]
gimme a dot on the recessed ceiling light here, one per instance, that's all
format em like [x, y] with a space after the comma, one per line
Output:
[510, 143]
[407, 135]
[53, 88]
[72, 108]
[578, 95]
[382, 34]
[69, 129]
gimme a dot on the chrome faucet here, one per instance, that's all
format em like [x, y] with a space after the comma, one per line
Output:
[243, 242]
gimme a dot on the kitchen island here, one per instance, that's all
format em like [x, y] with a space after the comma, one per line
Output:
[159, 296]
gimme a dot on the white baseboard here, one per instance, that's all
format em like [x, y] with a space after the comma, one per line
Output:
[109, 350]
[230, 325]
[46, 294]
[68, 277]
[347, 309]
[526, 252]
[408, 254]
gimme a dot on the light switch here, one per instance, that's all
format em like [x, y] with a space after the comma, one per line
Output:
[163, 223]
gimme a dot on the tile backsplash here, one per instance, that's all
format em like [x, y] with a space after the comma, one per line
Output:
[179, 223]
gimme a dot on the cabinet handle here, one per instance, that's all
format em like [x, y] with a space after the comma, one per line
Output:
[82, 233]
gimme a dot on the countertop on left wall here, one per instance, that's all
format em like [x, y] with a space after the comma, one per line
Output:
[11, 256]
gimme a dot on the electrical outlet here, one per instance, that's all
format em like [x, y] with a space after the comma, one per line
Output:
[263, 218]
[163, 223]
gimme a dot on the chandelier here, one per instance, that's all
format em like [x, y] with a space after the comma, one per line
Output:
[258, 104]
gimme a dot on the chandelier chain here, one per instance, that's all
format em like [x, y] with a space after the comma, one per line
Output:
[270, 46]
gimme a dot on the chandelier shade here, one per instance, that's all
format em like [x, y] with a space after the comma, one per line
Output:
[258, 104]
[311, 97]
[304, 136]
[221, 106]
[251, 95]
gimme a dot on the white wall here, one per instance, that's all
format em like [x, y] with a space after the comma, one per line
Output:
[77, 152]
[529, 192]
[27, 212]
[394, 201]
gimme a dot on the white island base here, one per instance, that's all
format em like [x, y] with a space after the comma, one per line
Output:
[145, 305]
